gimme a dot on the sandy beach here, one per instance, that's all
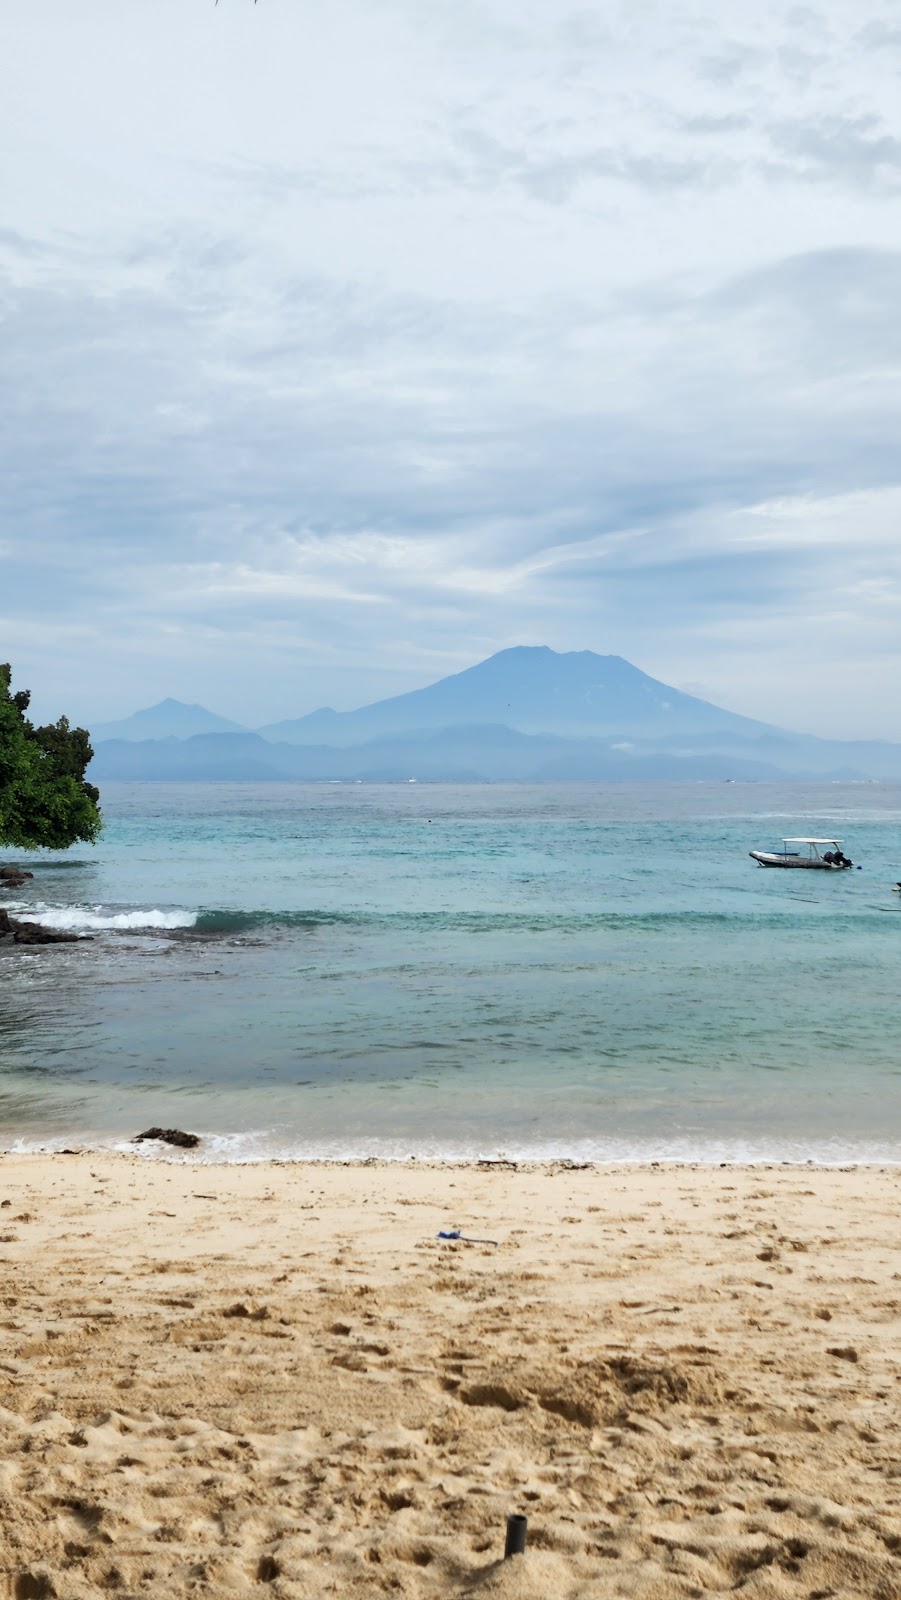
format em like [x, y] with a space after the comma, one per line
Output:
[277, 1379]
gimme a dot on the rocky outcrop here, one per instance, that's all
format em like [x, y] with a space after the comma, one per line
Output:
[16, 930]
[13, 877]
[13, 931]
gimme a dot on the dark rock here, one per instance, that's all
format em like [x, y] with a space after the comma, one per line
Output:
[14, 876]
[185, 1141]
[34, 933]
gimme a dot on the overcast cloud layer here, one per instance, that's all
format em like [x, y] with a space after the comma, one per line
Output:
[344, 344]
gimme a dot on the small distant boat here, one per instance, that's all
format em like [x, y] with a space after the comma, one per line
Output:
[832, 858]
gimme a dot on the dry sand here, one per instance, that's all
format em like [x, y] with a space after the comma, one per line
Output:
[276, 1380]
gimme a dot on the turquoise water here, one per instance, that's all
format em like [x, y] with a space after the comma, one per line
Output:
[596, 971]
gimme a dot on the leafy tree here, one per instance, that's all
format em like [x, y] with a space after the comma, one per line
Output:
[44, 800]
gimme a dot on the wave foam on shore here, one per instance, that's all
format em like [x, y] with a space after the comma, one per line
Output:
[97, 919]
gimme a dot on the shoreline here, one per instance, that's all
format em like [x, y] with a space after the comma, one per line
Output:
[151, 1152]
[287, 1383]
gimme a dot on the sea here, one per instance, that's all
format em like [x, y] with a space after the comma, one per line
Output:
[591, 972]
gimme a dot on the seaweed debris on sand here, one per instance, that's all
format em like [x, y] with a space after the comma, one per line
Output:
[184, 1141]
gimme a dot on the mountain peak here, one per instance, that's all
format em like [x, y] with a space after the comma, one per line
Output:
[168, 719]
[532, 689]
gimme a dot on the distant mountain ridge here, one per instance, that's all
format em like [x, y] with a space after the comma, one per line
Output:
[169, 719]
[448, 755]
[525, 714]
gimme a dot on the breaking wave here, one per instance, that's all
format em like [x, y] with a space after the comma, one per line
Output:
[77, 919]
[231, 922]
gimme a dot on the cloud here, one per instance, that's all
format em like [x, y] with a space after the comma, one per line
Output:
[383, 335]
[233, 487]
[879, 35]
[485, 162]
[855, 150]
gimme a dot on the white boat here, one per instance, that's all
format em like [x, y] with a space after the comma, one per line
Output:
[826, 855]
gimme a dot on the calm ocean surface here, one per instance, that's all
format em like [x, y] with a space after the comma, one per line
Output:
[594, 971]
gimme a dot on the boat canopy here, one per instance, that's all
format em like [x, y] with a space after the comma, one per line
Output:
[813, 841]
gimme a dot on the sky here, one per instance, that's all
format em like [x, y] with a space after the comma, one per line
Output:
[342, 345]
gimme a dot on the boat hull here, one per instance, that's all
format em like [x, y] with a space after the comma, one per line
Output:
[767, 858]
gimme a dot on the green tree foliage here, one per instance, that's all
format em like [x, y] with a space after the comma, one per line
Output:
[44, 800]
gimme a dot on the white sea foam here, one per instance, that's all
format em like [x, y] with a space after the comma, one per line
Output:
[254, 1147]
[96, 919]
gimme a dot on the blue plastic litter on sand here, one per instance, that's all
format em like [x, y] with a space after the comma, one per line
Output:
[465, 1239]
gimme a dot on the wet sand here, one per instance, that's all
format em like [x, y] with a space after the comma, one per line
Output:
[276, 1380]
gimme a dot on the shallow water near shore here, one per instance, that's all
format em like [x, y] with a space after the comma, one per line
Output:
[595, 971]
